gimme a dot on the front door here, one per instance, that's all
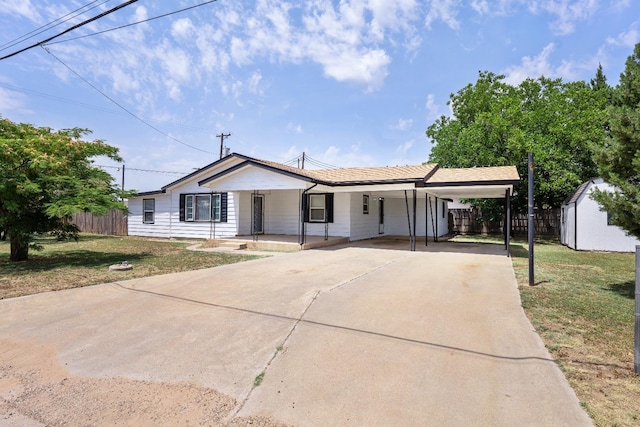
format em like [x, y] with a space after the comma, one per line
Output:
[381, 216]
[258, 214]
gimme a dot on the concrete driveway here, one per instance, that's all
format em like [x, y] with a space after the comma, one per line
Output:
[366, 334]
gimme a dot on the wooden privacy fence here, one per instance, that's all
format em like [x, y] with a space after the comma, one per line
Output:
[465, 221]
[112, 224]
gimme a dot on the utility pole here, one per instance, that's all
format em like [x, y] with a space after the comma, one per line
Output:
[122, 198]
[222, 136]
[530, 222]
[303, 155]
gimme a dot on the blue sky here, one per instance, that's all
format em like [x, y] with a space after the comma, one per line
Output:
[351, 83]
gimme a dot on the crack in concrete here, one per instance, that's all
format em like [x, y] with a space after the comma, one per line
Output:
[359, 276]
[293, 328]
[275, 354]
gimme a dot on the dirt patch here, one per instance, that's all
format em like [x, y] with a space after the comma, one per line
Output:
[35, 390]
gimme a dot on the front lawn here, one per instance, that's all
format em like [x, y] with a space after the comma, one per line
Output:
[63, 265]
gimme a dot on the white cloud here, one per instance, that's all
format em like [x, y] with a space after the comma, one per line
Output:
[541, 65]
[337, 157]
[434, 111]
[626, 38]
[403, 124]
[568, 12]
[405, 147]
[12, 101]
[182, 29]
[292, 127]
[344, 39]
[480, 6]
[445, 11]
[21, 8]
[531, 67]
[253, 83]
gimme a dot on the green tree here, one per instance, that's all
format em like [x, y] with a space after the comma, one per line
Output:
[497, 124]
[619, 157]
[45, 177]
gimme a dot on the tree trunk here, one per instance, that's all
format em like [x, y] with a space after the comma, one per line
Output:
[19, 249]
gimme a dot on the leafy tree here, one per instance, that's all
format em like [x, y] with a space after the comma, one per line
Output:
[45, 177]
[497, 124]
[619, 157]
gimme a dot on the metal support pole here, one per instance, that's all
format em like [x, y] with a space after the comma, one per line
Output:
[530, 224]
[426, 219]
[415, 233]
[636, 354]
[406, 202]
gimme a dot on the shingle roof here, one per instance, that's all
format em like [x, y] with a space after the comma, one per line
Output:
[343, 176]
[477, 174]
[429, 173]
[576, 194]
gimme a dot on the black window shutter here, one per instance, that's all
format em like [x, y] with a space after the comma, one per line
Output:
[328, 205]
[182, 203]
[224, 199]
[305, 207]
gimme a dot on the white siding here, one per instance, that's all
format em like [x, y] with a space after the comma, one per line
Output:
[282, 212]
[593, 233]
[252, 178]
[167, 217]
[243, 211]
[161, 226]
[341, 222]
[364, 226]
[396, 222]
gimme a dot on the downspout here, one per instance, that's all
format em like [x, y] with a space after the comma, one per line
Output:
[302, 206]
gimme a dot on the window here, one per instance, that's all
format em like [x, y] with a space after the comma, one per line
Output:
[148, 210]
[316, 208]
[203, 207]
[365, 204]
[444, 210]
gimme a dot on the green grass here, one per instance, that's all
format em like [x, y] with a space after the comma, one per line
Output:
[63, 265]
[583, 308]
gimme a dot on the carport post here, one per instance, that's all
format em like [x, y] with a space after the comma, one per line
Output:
[415, 232]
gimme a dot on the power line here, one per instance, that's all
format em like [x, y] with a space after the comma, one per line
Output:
[103, 14]
[98, 108]
[142, 170]
[50, 25]
[121, 106]
[134, 23]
